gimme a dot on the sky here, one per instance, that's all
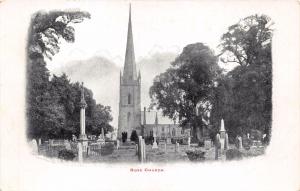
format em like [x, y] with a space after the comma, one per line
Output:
[160, 28]
[157, 27]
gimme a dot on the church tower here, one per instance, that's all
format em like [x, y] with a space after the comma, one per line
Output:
[130, 91]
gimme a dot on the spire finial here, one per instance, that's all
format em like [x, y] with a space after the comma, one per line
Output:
[129, 10]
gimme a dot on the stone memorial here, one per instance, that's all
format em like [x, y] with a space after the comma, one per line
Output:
[239, 142]
[74, 138]
[83, 105]
[217, 146]
[169, 141]
[222, 136]
[177, 147]
[141, 150]
[84, 146]
[51, 142]
[118, 144]
[80, 152]
[136, 149]
[226, 144]
[189, 142]
[207, 144]
[33, 147]
[67, 145]
[154, 146]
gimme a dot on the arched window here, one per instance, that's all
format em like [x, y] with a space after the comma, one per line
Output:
[129, 98]
[173, 132]
[128, 116]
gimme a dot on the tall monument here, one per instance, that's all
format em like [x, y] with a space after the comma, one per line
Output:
[83, 105]
[130, 90]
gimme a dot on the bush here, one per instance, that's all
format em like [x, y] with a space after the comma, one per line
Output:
[201, 143]
[149, 140]
[66, 154]
[196, 155]
[134, 137]
[234, 154]
[256, 134]
[247, 143]
[124, 137]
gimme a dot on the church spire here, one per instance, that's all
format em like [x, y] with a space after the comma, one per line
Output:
[129, 67]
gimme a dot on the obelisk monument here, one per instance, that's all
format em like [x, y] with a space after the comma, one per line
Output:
[83, 105]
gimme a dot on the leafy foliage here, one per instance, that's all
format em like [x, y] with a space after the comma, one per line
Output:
[234, 154]
[187, 82]
[48, 28]
[66, 154]
[244, 95]
[134, 137]
[53, 109]
[248, 42]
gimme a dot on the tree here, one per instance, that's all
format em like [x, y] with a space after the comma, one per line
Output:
[101, 118]
[187, 82]
[248, 42]
[48, 28]
[46, 114]
[247, 89]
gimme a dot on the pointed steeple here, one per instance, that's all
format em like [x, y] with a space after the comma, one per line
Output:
[129, 67]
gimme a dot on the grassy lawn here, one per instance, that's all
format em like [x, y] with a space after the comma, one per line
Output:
[127, 154]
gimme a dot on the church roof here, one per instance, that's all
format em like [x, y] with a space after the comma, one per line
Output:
[151, 116]
[129, 72]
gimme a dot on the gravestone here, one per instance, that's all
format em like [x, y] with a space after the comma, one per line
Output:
[177, 147]
[136, 149]
[80, 152]
[74, 138]
[169, 141]
[226, 144]
[67, 145]
[40, 141]
[189, 142]
[207, 144]
[239, 142]
[154, 146]
[84, 146]
[217, 146]
[51, 142]
[222, 136]
[118, 144]
[141, 150]
[100, 139]
[144, 150]
[33, 147]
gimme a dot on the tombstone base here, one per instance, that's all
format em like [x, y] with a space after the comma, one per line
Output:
[154, 146]
[82, 137]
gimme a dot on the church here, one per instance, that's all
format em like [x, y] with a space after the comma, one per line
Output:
[130, 114]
